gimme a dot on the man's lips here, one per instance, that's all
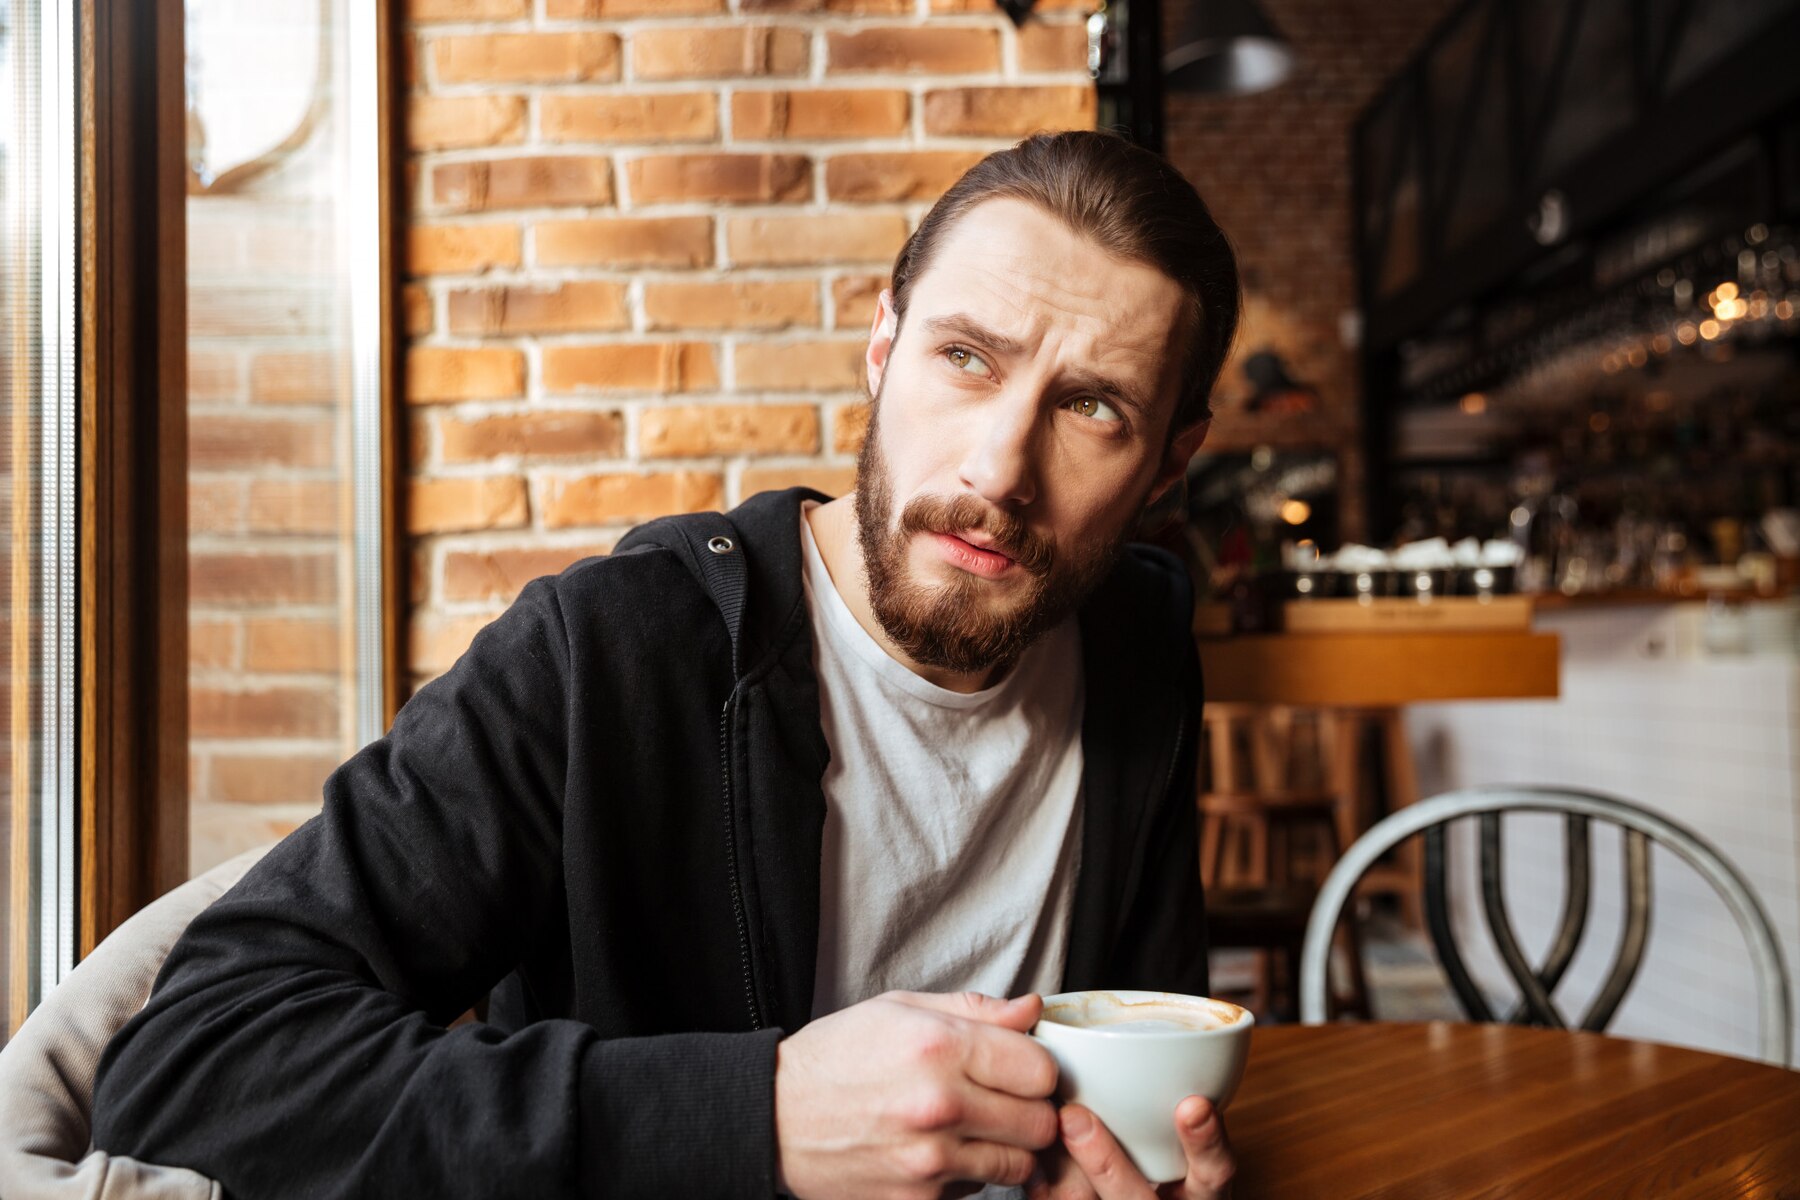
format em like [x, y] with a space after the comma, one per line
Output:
[979, 560]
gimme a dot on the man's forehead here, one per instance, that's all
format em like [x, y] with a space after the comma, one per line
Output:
[1025, 274]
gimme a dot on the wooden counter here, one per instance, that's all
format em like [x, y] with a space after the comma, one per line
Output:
[1380, 670]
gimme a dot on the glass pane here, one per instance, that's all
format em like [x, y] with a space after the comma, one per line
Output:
[273, 354]
[37, 495]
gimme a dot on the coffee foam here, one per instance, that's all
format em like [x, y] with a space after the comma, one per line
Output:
[1103, 1010]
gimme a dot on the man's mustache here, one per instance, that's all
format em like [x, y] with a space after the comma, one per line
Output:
[956, 515]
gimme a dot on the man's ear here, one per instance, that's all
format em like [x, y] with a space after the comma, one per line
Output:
[1182, 447]
[881, 340]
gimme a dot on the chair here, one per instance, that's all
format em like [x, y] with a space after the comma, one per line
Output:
[1259, 900]
[1640, 827]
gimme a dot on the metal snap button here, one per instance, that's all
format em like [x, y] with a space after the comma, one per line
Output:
[721, 545]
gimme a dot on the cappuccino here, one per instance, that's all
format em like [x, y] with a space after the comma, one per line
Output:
[1103, 1010]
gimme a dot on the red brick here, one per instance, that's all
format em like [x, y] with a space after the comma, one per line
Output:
[720, 178]
[1047, 47]
[215, 506]
[853, 300]
[814, 366]
[260, 310]
[618, 499]
[631, 367]
[625, 242]
[263, 713]
[890, 175]
[1008, 111]
[849, 425]
[499, 574]
[540, 434]
[245, 579]
[439, 375]
[212, 645]
[731, 304]
[459, 122]
[815, 239]
[220, 443]
[527, 58]
[819, 115]
[564, 308]
[270, 778]
[833, 481]
[415, 310]
[460, 249]
[600, 10]
[436, 642]
[463, 504]
[286, 646]
[891, 8]
[914, 49]
[536, 182]
[300, 507]
[650, 117]
[699, 430]
[214, 378]
[466, 10]
[718, 52]
[316, 377]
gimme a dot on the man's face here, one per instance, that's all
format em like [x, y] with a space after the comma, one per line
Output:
[1021, 423]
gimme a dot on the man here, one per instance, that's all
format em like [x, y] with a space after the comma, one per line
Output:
[752, 821]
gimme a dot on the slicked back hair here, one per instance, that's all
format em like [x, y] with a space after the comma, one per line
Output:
[1130, 202]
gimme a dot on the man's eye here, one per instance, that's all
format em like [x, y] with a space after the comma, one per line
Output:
[1091, 406]
[962, 358]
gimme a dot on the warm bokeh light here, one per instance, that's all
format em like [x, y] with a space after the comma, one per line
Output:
[1474, 404]
[1709, 329]
[1295, 512]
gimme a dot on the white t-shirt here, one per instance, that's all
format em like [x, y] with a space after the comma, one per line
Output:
[952, 828]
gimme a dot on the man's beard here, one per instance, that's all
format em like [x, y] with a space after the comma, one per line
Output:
[955, 626]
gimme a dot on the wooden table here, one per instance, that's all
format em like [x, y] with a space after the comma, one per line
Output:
[1466, 1112]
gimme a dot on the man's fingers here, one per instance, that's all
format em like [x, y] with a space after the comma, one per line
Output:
[1010, 1062]
[1210, 1162]
[1019, 1013]
[991, 1162]
[991, 1116]
[1092, 1147]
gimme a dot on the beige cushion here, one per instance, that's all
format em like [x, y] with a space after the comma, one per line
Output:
[47, 1071]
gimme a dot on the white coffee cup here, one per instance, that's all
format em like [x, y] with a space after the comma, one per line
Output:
[1132, 1057]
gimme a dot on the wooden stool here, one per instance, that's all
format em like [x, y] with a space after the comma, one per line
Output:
[1403, 877]
[1262, 900]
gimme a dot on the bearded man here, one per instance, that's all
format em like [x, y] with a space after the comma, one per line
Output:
[751, 827]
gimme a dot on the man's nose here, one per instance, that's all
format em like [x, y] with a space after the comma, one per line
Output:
[999, 466]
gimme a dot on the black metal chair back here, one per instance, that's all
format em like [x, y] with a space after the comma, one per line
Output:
[1537, 1005]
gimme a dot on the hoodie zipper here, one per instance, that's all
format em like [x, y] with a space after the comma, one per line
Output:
[731, 858]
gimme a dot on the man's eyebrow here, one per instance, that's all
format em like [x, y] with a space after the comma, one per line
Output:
[961, 325]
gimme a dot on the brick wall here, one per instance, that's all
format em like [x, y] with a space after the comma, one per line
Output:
[646, 240]
[268, 517]
[1275, 170]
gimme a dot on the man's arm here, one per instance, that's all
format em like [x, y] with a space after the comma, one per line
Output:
[295, 1042]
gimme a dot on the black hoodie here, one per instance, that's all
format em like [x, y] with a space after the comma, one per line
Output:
[608, 812]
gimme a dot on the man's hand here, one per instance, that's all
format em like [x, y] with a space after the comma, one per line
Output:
[900, 1096]
[1089, 1165]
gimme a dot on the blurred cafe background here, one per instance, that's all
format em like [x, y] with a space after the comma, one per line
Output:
[329, 325]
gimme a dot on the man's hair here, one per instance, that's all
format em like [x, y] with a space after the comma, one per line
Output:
[1135, 206]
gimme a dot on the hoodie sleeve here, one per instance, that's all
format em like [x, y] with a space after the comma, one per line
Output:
[295, 1041]
[1163, 945]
